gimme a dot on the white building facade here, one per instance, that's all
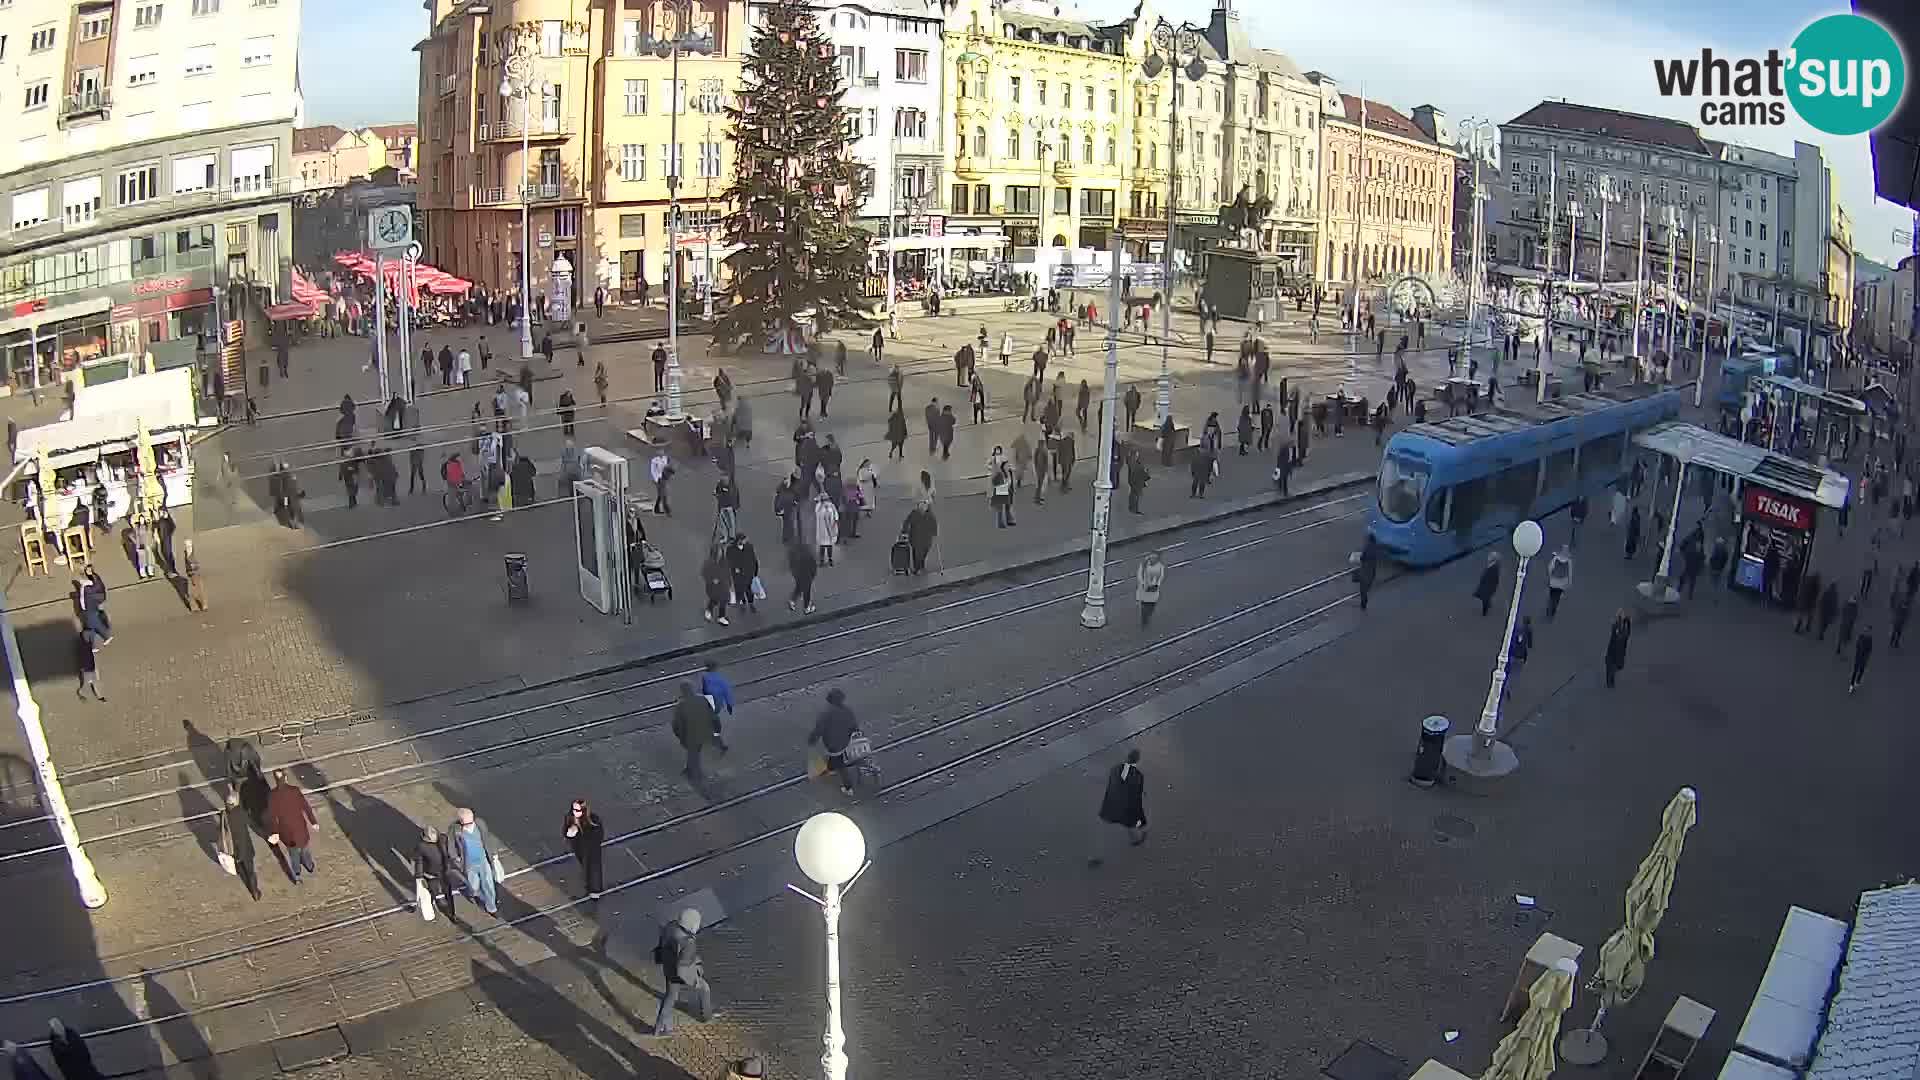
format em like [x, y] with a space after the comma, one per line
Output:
[891, 58]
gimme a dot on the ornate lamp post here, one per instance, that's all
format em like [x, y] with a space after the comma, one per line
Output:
[1481, 753]
[833, 854]
[683, 40]
[521, 79]
[1175, 42]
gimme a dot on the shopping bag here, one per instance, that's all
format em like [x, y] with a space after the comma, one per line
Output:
[759, 590]
[859, 748]
[816, 766]
[423, 900]
[499, 872]
[503, 498]
[227, 863]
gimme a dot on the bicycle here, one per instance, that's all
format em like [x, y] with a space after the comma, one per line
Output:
[460, 501]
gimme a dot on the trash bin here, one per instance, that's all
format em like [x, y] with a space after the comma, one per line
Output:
[517, 591]
[1429, 767]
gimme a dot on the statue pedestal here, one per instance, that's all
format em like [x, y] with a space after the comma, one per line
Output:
[1244, 283]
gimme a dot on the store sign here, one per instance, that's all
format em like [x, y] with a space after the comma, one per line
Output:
[158, 285]
[1779, 509]
[30, 307]
[161, 305]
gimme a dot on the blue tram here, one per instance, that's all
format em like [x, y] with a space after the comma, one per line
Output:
[1454, 485]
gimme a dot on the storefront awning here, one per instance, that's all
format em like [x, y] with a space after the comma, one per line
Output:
[949, 242]
[79, 309]
[1753, 464]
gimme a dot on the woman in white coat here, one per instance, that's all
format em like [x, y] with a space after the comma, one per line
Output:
[826, 526]
[869, 480]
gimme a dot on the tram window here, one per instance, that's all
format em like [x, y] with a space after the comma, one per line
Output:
[1469, 499]
[1403, 487]
[1514, 488]
[1437, 510]
[1559, 470]
[1600, 459]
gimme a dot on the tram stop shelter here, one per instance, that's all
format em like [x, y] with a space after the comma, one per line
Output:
[1775, 502]
[1831, 411]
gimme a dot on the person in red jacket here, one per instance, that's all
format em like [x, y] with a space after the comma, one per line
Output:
[291, 824]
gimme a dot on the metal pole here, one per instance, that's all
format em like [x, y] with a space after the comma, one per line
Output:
[1673, 527]
[1706, 332]
[1359, 212]
[1546, 280]
[833, 1062]
[1094, 615]
[708, 213]
[893, 203]
[1673, 256]
[526, 230]
[1488, 729]
[1573, 239]
[1693, 273]
[1163, 388]
[673, 251]
[92, 893]
[1639, 279]
[380, 322]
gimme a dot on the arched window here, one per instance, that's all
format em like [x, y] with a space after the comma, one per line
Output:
[979, 142]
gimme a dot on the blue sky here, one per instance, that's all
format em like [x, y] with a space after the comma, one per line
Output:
[1482, 58]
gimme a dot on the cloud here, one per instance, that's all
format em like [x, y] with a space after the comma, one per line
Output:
[1473, 58]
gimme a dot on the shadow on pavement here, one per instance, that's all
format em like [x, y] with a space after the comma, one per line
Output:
[381, 836]
[545, 1014]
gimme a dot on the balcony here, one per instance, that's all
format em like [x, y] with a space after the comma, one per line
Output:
[969, 168]
[1063, 169]
[536, 193]
[490, 196]
[538, 128]
[871, 82]
[448, 84]
[85, 103]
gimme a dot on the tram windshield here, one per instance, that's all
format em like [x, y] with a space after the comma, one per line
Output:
[1403, 488]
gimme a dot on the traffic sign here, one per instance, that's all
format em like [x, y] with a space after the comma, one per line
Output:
[390, 227]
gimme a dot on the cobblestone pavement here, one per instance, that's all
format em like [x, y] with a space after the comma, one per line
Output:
[297, 634]
[1295, 894]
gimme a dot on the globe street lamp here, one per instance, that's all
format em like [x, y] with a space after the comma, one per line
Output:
[520, 79]
[1175, 42]
[683, 40]
[833, 854]
[1481, 753]
[1661, 587]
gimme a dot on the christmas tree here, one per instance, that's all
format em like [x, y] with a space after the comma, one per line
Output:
[795, 189]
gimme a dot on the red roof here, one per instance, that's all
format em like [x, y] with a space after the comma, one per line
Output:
[1383, 118]
[390, 132]
[309, 140]
[1632, 127]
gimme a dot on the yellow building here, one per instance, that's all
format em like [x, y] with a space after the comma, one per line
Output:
[1387, 207]
[1839, 266]
[1041, 125]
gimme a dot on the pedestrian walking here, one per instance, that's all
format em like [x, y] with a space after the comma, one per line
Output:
[1808, 602]
[1367, 569]
[70, 1053]
[1633, 533]
[1559, 577]
[1243, 430]
[291, 825]
[800, 562]
[1124, 804]
[584, 836]
[1849, 616]
[717, 581]
[1489, 583]
[1000, 480]
[826, 526]
[1862, 652]
[835, 730]
[659, 368]
[1617, 637]
[661, 470]
[823, 385]
[977, 397]
[1266, 427]
[1136, 480]
[678, 954]
[1149, 579]
[475, 859]
[743, 563]
[236, 843]
[1080, 405]
[1199, 472]
[89, 665]
[433, 867]
[947, 423]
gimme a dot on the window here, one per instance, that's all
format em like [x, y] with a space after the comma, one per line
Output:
[550, 37]
[199, 60]
[633, 226]
[1763, 260]
[1403, 487]
[1086, 150]
[979, 142]
[671, 158]
[1763, 204]
[1097, 203]
[256, 51]
[1763, 230]
[42, 40]
[1013, 145]
[251, 168]
[1113, 101]
[633, 162]
[629, 37]
[709, 159]
[264, 3]
[1089, 100]
[1749, 226]
[80, 200]
[139, 185]
[909, 124]
[30, 208]
[910, 65]
[197, 172]
[636, 97]
[1023, 200]
[957, 197]
[94, 27]
[1113, 152]
[1062, 200]
[143, 70]
[146, 15]
[566, 222]
[36, 95]
[550, 168]
[205, 7]
[873, 120]
[1040, 90]
[982, 198]
[1013, 89]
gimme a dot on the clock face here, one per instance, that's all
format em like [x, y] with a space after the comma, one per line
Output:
[394, 227]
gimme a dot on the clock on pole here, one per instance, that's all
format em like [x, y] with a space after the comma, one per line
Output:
[390, 227]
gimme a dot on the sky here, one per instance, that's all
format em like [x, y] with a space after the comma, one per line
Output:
[1470, 58]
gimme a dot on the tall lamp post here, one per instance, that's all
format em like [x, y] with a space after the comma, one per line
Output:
[833, 854]
[1476, 267]
[1706, 333]
[683, 40]
[519, 78]
[1481, 753]
[1175, 42]
[1661, 587]
[1094, 614]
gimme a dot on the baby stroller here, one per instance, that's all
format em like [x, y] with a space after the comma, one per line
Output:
[653, 572]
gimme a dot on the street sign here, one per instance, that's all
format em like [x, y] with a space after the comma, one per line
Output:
[546, 237]
[390, 227]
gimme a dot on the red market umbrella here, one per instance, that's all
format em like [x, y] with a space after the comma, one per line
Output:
[291, 310]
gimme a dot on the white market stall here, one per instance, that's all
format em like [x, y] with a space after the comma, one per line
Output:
[99, 444]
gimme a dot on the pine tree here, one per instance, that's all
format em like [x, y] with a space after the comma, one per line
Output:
[795, 187]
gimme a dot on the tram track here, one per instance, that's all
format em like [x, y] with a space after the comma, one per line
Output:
[425, 767]
[890, 749]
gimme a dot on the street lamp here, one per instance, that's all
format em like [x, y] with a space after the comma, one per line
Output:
[519, 78]
[683, 40]
[1661, 587]
[1573, 239]
[1094, 614]
[1175, 42]
[1706, 333]
[1476, 269]
[833, 854]
[1481, 753]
